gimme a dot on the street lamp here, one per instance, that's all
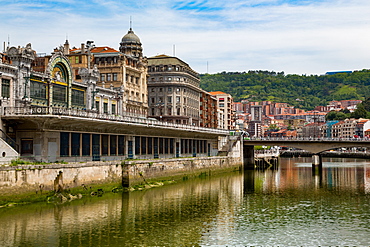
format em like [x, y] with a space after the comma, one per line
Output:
[93, 106]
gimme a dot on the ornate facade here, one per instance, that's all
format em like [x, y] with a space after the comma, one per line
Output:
[124, 71]
[52, 110]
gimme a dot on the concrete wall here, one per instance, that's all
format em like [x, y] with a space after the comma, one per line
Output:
[36, 178]
[7, 153]
[136, 171]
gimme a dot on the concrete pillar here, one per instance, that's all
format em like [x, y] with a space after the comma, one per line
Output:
[316, 160]
[248, 157]
[316, 164]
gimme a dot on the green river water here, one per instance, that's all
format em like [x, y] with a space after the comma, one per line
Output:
[290, 206]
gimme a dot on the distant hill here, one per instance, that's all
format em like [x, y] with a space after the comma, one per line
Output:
[301, 91]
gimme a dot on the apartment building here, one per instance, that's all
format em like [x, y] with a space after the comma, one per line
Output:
[173, 91]
[225, 106]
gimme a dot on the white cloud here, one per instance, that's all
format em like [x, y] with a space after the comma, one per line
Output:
[311, 37]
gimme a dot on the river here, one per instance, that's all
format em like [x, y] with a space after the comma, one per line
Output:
[290, 206]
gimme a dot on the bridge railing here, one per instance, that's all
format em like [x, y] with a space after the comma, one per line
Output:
[266, 153]
[307, 139]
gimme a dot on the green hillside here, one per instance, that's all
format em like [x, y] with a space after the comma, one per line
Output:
[301, 91]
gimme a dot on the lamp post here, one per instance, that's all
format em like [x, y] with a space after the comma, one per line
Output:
[27, 79]
[160, 106]
[94, 92]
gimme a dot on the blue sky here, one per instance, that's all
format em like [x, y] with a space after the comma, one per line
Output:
[294, 36]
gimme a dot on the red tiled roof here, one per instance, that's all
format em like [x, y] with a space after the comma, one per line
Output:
[216, 93]
[103, 49]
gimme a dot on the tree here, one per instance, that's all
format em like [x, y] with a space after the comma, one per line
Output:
[366, 104]
[360, 112]
[334, 115]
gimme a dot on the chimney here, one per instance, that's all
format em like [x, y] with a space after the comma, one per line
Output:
[82, 48]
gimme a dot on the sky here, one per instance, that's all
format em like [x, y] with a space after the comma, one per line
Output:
[212, 36]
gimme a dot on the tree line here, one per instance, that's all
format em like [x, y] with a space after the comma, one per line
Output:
[301, 91]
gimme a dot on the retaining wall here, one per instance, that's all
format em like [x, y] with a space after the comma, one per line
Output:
[35, 178]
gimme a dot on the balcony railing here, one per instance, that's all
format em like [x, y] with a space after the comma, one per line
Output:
[127, 117]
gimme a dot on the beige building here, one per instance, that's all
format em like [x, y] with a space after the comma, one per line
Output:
[173, 89]
[124, 70]
[225, 106]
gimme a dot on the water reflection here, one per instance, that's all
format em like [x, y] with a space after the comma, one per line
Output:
[289, 206]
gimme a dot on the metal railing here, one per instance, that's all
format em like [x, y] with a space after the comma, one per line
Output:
[266, 153]
[9, 140]
[127, 117]
[307, 139]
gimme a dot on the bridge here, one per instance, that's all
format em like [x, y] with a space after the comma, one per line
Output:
[312, 145]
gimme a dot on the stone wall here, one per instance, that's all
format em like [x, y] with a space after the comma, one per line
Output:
[36, 178]
[137, 171]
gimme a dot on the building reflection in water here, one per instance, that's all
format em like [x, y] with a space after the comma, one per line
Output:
[204, 210]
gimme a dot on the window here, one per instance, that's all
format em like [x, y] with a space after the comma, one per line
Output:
[170, 78]
[169, 89]
[64, 144]
[143, 145]
[137, 145]
[109, 77]
[115, 77]
[75, 144]
[221, 105]
[169, 99]
[150, 145]
[113, 145]
[178, 111]
[169, 111]
[38, 90]
[177, 99]
[77, 75]
[102, 77]
[152, 100]
[105, 107]
[121, 145]
[160, 89]
[177, 90]
[104, 144]
[160, 100]
[59, 93]
[78, 97]
[86, 144]
[153, 89]
[113, 108]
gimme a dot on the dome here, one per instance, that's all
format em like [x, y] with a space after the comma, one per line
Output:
[130, 37]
